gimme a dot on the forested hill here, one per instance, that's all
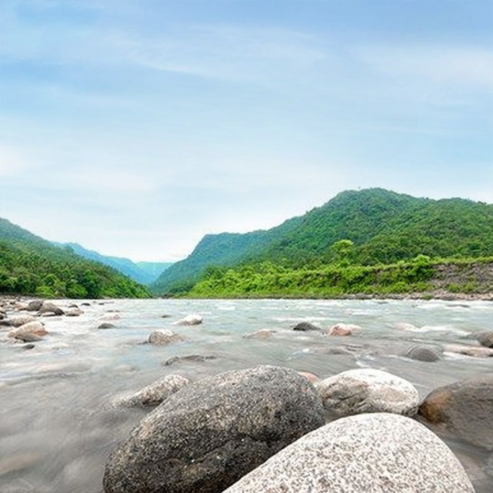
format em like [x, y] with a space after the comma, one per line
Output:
[30, 265]
[382, 226]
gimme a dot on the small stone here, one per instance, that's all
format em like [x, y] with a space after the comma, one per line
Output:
[306, 326]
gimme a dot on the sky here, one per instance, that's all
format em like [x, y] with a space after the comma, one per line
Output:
[135, 127]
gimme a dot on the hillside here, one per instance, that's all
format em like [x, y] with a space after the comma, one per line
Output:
[142, 272]
[382, 226]
[30, 265]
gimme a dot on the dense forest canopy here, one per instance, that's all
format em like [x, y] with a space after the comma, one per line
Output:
[382, 227]
[30, 265]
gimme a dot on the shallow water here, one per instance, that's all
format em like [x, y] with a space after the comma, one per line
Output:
[56, 430]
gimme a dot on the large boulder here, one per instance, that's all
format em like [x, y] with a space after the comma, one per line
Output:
[342, 329]
[153, 394]
[371, 453]
[368, 391]
[50, 308]
[19, 320]
[212, 432]
[464, 408]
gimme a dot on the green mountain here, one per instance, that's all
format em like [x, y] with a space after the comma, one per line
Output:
[142, 272]
[382, 226]
[30, 265]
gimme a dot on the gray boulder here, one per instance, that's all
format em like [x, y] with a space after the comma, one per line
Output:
[50, 308]
[464, 408]
[34, 306]
[485, 338]
[306, 326]
[153, 394]
[423, 353]
[29, 332]
[371, 453]
[212, 432]
[368, 391]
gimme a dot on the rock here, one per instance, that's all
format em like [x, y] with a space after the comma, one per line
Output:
[106, 325]
[342, 329]
[27, 332]
[34, 306]
[212, 432]
[306, 326]
[423, 353]
[371, 453]
[48, 307]
[74, 312]
[153, 394]
[464, 408]
[473, 351]
[191, 357]
[261, 334]
[20, 320]
[161, 337]
[368, 391]
[192, 319]
[406, 326]
[485, 339]
[312, 378]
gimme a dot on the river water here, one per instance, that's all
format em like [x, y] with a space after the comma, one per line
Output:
[55, 426]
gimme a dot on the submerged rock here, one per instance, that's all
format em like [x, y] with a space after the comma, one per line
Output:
[190, 357]
[153, 394]
[368, 391]
[423, 353]
[342, 329]
[306, 326]
[260, 334]
[465, 408]
[212, 432]
[372, 453]
[192, 319]
[485, 339]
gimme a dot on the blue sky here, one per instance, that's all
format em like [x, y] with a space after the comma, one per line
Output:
[134, 127]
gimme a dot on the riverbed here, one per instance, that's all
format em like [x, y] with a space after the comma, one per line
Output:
[56, 425]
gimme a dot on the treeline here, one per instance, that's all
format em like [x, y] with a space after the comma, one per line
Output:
[30, 265]
[421, 274]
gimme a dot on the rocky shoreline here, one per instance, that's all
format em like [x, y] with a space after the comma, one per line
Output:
[272, 429]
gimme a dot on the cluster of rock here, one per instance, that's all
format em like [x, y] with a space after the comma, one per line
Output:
[264, 429]
[26, 324]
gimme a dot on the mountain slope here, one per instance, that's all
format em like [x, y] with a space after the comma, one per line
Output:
[30, 265]
[142, 272]
[384, 227]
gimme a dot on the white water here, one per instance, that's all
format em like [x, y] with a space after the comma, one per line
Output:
[55, 433]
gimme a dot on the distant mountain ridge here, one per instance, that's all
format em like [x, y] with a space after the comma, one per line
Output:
[142, 272]
[30, 265]
[384, 227]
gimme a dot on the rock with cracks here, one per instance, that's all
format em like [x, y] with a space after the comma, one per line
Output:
[211, 433]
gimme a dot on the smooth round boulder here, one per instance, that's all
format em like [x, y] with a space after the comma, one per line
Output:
[464, 408]
[51, 308]
[153, 394]
[368, 391]
[212, 432]
[370, 453]
[423, 353]
[20, 320]
[163, 337]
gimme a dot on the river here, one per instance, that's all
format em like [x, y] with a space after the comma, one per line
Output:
[55, 426]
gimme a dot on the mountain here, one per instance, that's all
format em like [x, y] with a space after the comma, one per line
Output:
[383, 226]
[30, 265]
[142, 272]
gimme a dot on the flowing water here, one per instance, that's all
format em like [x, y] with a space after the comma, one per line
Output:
[55, 426]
